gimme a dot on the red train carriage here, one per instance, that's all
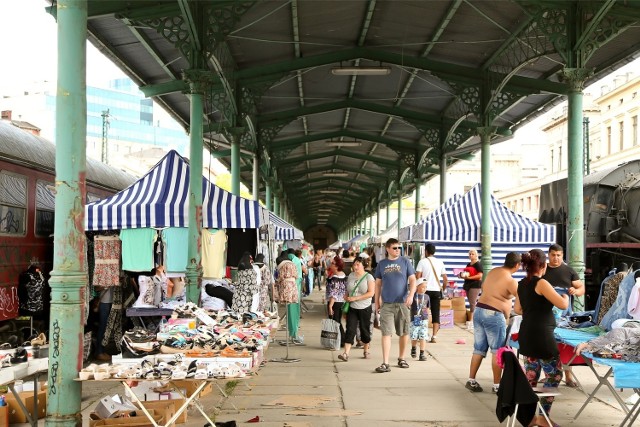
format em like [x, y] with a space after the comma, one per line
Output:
[27, 176]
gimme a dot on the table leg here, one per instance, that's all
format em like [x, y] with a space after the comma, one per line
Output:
[633, 412]
[602, 380]
[142, 408]
[193, 398]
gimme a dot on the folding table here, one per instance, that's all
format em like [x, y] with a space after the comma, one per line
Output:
[625, 374]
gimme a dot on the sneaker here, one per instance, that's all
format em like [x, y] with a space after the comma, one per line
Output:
[423, 358]
[413, 352]
[473, 386]
[494, 389]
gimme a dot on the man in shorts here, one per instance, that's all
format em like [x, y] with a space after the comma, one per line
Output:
[490, 318]
[393, 300]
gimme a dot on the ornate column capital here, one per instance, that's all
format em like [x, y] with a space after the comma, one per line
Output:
[575, 77]
[199, 80]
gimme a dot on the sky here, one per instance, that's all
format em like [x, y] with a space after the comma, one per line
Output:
[29, 44]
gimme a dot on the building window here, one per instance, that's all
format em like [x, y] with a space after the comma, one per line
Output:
[609, 140]
[634, 130]
[13, 204]
[621, 134]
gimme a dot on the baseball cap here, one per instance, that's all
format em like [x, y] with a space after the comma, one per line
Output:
[421, 280]
[363, 255]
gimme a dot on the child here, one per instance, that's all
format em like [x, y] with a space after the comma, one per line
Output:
[419, 330]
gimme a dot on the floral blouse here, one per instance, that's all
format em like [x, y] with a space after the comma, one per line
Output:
[337, 287]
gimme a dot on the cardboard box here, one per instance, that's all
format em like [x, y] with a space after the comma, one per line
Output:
[469, 316]
[94, 418]
[445, 304]
[458, 303]
[16, 415]
[191, 386]
[446, 319]
[108, 406]
[168, 409]
[459, 316]
[138, 421]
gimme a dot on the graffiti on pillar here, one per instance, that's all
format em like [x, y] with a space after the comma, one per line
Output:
[8, 302]
[53, 367]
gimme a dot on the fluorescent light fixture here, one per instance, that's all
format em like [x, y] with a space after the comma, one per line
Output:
[343, 143]
[361, 71]
[330, 191]
[335, 174]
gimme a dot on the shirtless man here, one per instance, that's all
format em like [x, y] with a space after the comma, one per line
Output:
[490, 318]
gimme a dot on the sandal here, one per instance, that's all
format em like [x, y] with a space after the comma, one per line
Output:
[383, 368]
[571, 384]
[344, 357]
[403, 363]
[367, 355]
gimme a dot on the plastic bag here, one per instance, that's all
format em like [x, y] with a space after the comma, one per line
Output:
[330, 334]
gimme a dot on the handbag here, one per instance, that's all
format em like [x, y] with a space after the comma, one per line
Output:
[330, 334]
[345, 305]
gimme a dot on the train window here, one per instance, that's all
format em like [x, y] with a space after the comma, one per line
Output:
[45, 208]
[13, 203]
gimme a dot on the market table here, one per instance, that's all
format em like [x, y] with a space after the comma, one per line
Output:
[9, 375]
[625, 374]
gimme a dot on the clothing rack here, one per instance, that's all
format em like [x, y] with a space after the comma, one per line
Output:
[286, 359]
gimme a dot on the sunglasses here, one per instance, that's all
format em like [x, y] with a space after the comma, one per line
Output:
[395, 248]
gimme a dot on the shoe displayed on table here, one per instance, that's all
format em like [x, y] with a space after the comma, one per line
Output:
[19, 356]
[473, 386]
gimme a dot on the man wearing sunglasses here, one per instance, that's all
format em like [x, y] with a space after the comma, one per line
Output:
[393, 301]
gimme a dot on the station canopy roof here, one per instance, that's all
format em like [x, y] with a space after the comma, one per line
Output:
[360, 97]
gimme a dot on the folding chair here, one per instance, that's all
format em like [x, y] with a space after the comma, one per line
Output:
[517, 400]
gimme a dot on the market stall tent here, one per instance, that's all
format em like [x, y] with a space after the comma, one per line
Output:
[282, 229]
[457, 229]
[387, 234]
[161, 199]
[416, 231]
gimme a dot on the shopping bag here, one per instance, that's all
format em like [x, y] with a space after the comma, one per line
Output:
[330, 334]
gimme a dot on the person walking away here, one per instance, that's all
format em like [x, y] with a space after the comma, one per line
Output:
[472, 276]
[266, 284]
[359, 292]
[293, 309]
[317, 269]
[560, 275]
[393, 300]
[535, 300]
[431, 269]
[490, 318]
[335, 291]
[419, 329]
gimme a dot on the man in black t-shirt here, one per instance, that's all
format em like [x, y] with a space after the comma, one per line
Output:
[560, 275]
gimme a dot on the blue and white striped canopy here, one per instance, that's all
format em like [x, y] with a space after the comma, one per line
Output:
[283, 230]
[417, 230]
[161, 199]
[462, 223]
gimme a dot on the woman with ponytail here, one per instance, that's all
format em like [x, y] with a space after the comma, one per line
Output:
[535, 301]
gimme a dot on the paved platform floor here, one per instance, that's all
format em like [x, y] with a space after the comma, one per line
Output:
[320, 390]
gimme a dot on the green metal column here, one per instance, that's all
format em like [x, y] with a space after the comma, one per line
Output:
[254, 184]
[486, 225]
[69, 280]
[399, 210]
[377, 216]
[194, 267]
[416, 216]
[389, 213]
[268, 198]
[575, 231]
[443, 179]
[276, 203]
[370, 225]
[235, 165]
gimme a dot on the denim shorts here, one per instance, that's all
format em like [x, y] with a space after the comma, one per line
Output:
[489, 330]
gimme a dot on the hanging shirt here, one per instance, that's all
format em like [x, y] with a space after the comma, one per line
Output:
[107, 261]
[137, 248]
[176, 241]
[214, 253]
